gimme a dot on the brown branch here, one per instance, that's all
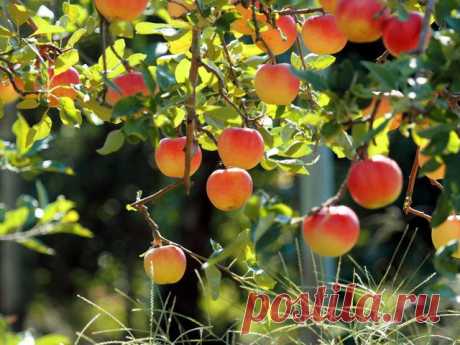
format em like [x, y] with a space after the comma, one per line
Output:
[293, 12]
[411, 184]
[155, 196]
[16, 88]
[418, 213]
[228, 57]
[208, 133]
[257, 31]
[103, 29]
[436, 184]
[190, 105]
[426, 27]
[383, 57]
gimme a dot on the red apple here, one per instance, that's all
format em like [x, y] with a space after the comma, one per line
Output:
[446, 232]
[361, 20]
[375, 182]
[277, 42]
[61, 85]
[402, 36]
[127, 10]
[276, 84]
[165, 264]
[240, 147]
[322, 36]
[129, 84]
[170, 157]
[332, 231]
[229, 189]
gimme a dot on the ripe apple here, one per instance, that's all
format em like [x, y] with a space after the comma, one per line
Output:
[277, 42]
[276, 84]
[61, 85]
[179, 8]
[127, 10]
[170, 157]
[7, 92]
[437, 174]
[229, 189]
[375, 182]
[402, 36]
[165, 264]
[332, 231]
[446, 232]
[240, 147]
[385, 108]
[129, 84]
[322, 36]
[328, 5]
[361, 20]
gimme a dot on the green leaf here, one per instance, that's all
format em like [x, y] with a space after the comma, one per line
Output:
[214, 278]
[75, 38]
[263, 280]
[317, 81]
[24, 135]
[444, 263]
[14, 220]
[388, 78]
[442, 211]
[104, 113]
[56, 210]
[318, 62]
[69, 114]
[114, 141]
[42, 194]
[19, 13]
[235, 248]
[35, 245]
[127, 106]
[74, 229]
[66, 60]
[45, 28]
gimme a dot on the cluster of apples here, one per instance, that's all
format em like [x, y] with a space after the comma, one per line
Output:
[229, 188]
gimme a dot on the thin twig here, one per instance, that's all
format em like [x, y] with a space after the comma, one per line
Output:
[103, 29]
[257, 32]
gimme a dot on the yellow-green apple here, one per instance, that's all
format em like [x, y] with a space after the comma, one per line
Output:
[361, 20]
[8, 93]
[402, 36]
[375, 182]
[128, 84]
[322, 36]
[229, 189]
[276, 84]
[331, 231]
[240, 147]
[170, 157]
[179, 8]
[437, 174]
[279, 42]
[446, 232]
[384, 109]
[165, 264]
[328, 5]
[127, 10]
[62, 85]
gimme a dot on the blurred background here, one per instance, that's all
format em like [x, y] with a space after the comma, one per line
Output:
[39, 292]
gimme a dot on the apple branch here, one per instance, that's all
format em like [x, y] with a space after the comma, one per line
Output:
[257, 31]
[103, 29]
[12, 80]
[191, 104]
[293, 12]
[407, 208]
[425, 27]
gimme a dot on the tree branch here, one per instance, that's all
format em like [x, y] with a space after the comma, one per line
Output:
[190, 105]
[426, 27]
[293, 12]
